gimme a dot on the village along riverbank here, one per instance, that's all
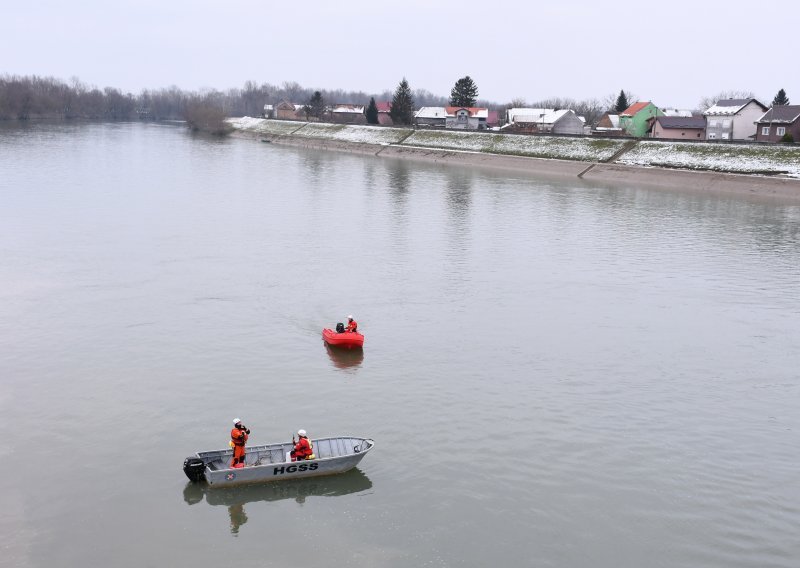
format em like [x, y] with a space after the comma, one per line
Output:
[764, 170]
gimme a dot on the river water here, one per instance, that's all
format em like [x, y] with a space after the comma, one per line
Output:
[555, 373]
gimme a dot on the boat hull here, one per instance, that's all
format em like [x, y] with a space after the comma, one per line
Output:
[265, 464]
[346, 339]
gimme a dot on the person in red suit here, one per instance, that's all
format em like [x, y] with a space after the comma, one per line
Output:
[303, 448]
[239, 436]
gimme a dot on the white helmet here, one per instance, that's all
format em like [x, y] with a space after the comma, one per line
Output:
[301, 433]
[350, 317]
[236, 421]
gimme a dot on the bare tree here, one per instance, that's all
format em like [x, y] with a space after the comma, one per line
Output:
[293, 91]
[707, 102]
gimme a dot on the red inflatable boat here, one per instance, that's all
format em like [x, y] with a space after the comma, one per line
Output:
[346, 339]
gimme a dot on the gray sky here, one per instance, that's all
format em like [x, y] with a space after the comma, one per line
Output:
[672, 52]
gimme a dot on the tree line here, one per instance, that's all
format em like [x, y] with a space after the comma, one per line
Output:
[26, 97]
[29, 97]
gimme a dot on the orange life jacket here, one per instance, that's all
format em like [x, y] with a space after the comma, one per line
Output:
[238, 437]
[351, 326]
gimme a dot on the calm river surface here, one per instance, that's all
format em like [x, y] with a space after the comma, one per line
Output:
[555, 374]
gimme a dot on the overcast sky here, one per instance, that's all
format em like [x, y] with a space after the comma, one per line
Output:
[673, 53]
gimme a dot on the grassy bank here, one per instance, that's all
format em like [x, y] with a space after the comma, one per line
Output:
[772, 160]
[759, 159]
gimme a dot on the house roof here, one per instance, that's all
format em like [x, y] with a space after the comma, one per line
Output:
[384, 106]
[612, 118]
[431, 112]
[348, 109]
[676, 112]
[782, 113]
[682, 122]
[547, 118]
[729, 107]
[635, 108]
[513, 114]
[475, 112]
[732, 102]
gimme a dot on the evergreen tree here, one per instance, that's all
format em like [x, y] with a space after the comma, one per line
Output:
[372, 112]
[780, 99]
[464, 93]
[402, 111]
[315, 106]
[622, 102]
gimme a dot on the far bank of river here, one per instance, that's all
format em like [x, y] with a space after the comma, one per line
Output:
[746, 169]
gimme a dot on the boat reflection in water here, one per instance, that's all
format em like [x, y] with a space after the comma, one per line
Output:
[345, 358]
[236, 497]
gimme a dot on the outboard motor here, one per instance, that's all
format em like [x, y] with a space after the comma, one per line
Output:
[340, 327]
[194, 467]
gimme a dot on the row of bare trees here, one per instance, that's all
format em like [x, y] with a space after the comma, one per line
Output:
[25, 97]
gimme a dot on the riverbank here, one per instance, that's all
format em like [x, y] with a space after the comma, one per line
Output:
[745, 169]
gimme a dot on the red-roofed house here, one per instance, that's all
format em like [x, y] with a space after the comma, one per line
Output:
[636, 118]
[466, 118]
[384, 108]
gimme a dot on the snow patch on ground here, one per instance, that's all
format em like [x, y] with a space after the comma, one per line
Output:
[739, 158]
[353, 133]
[264, 126]
[583, 149]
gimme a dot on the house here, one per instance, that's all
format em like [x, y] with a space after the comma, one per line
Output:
[384, 108]
[636, 118]
[492, 119]
[608, 125]
[733, 119]
[466, 118]
[348, 114]
[434, 117]
[679, 127]
[285, 110]
[269, 112]
[526, 115]
[550, 121]
[460, 118]
[777, 122]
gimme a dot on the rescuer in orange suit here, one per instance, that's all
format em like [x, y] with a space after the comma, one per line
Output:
[303, 449]
[239, 436]
[351, 324]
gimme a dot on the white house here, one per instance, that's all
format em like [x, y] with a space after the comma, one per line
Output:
[563, 121]
[460, 118]
[431, 116]
[466, 118]
[348, 113]
[733, 119]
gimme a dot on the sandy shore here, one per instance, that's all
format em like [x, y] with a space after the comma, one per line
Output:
[589, 172]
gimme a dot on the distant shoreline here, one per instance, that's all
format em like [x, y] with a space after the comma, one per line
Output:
[593, 172]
